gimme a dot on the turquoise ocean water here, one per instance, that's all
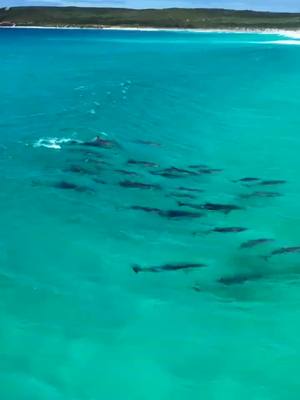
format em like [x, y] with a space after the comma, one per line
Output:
[76, 322]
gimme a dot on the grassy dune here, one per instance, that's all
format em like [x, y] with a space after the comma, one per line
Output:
[169, 18]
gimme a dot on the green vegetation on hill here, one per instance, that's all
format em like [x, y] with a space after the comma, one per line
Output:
[169, 18]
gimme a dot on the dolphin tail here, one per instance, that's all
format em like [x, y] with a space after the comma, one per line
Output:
[37, 182]
[136, 268]
[202, 233]
[123, 208]
[226, 212]
[265, 258]
[196, 288]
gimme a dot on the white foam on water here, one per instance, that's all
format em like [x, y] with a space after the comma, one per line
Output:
[294, 39]
[52, 143]
[291, 34]
[56, 143]
[286, 42]
[80, 87]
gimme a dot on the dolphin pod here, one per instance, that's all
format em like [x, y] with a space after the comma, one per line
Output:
[191, 196]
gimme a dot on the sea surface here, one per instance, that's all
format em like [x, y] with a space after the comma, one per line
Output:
[76, 321]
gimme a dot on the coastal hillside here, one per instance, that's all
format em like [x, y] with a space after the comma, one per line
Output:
[168, 18]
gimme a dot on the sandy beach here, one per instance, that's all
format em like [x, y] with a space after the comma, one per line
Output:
[295, 34]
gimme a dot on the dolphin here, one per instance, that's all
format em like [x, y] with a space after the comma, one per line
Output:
[167, 267]
[272, 182]
[255, 242]
[230, 229]
[72, 186]
[239, 279]
[139, 185]
[143, 163]
[283, 250]
[225, 208]
[99, 142]
[126, 172]
[188, 189]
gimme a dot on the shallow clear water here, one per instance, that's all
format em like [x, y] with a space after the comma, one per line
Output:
[76, 322]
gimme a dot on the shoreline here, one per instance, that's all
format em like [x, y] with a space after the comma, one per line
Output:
[284, 32]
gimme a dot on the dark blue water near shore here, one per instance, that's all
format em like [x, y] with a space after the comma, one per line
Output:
[76, 321]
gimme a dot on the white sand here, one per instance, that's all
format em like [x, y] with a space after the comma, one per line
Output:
[295, 34]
